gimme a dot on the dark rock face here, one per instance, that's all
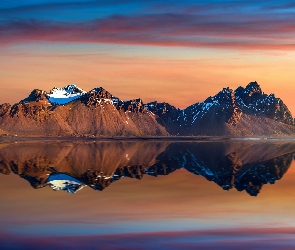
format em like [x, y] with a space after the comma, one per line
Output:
[253, 101]
[36, 96]
[135, 105]
[97, 97]
[4, 109]
[167, 115]
[213, 112]
[243, 112]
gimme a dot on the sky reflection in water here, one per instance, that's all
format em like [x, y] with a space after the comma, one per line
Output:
[177, 209]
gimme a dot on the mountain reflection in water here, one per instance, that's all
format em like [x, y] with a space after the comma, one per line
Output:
[70, 166]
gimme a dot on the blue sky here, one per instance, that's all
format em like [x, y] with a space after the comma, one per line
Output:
[223, 24]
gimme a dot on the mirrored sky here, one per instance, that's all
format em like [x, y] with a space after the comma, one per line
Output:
[177, 209]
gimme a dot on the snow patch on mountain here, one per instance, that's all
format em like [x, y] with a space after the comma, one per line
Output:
[65, 94]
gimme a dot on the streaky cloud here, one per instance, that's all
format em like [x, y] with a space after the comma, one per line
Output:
[204, 31]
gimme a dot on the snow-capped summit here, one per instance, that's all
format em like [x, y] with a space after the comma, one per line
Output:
[65, 94]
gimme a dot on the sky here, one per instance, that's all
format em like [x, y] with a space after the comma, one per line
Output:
[179, 52]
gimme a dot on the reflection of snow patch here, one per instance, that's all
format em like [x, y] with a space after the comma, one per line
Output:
[64, 182]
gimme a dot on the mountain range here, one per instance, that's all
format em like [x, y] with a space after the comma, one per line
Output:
[71, 111]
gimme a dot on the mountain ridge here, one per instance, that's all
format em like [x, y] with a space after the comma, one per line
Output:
[71, 111]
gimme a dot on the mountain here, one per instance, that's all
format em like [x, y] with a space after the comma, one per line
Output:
[93, 113]
[240, 113]
[71, 111]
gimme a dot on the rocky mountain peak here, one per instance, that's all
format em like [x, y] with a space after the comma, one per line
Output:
[225, 97]
[99, 96]
[135, 105]
[36, 95]
[253, 88]
[253, 101]
[250, 94]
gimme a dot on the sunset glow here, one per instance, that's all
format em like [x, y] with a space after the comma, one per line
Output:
[179, 53]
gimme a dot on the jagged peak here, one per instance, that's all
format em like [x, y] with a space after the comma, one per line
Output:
[100, 93]
[134, 105]
[99, 96]
[272, 96]
[226, 90]
[97, 89]
[223, 95]
[35, 96]
[137, 100]
[253, 87]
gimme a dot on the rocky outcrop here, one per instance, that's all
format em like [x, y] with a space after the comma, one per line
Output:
[252, 100]
[36, 95]
[97, 97]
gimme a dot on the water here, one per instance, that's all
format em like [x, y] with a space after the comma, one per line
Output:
[232, 194]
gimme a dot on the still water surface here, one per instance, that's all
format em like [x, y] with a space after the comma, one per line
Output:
[147, 194]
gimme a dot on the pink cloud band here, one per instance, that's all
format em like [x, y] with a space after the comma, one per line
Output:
[160, 30]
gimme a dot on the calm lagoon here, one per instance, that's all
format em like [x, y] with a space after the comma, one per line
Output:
[151, 194]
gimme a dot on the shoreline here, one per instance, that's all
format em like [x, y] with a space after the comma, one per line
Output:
[143, 138]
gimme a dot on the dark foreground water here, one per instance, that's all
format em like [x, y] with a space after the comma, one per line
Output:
[147, 195]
